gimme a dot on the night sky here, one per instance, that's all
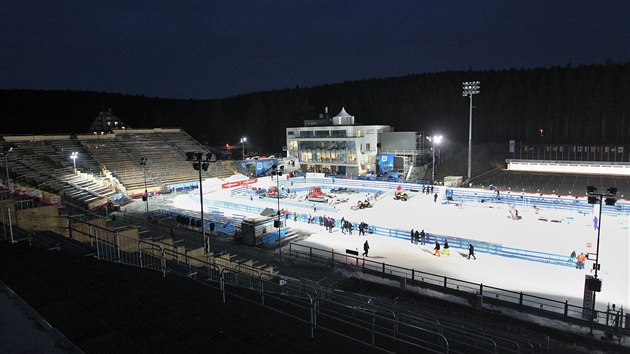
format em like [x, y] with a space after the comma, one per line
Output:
[213, 49]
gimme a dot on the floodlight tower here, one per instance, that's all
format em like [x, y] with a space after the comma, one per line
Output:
[74, 156]
[5, 151]
[435, 140]
[277, 171]
[201, 161]
[143, 163]
[595, 284]
[470, 88]
[243, 141]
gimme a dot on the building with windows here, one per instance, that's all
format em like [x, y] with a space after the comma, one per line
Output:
[336, 145]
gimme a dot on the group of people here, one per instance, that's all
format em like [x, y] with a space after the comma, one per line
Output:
[427, 189]
[438, 250]
[417, 236]
[346, 226]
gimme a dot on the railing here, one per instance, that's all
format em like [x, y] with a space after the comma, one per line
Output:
[541, 201]
[519, 300]
[269, 290]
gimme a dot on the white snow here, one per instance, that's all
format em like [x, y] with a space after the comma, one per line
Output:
[475, 221]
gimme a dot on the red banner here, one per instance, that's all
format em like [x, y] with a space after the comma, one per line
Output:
[238, 183]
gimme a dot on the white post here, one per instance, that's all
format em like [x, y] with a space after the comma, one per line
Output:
[470, 137]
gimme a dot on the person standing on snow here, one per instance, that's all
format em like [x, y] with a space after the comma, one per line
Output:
[366, 248]
[436, 249]
[471, 251]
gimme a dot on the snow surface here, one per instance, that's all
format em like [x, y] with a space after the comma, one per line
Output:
[477, 221]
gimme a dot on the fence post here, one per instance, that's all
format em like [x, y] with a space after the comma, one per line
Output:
[566, 307]
[373, 329]
[117, 246]
[520, 299]
[413, 274]
[480, 289]
[332, 253]
[310, 254]
[262, 293]
[445, 278]
[10, 224]
[383, 269]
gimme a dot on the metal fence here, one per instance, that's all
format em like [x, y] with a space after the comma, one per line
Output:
[268, 289]
[489, 294]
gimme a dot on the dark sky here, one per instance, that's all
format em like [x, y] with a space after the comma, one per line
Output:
[212, 49]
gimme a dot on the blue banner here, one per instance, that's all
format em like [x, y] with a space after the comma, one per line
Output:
[386, 163]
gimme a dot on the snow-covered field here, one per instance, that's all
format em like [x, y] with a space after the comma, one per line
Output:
[474, 221]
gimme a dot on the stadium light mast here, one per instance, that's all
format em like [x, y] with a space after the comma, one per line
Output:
[243, 141]
[5, 151]
[470, 88]
[74, 156]
[201, 163]
[595, 285]
[145, 197]
[435, 140]
[277, 171]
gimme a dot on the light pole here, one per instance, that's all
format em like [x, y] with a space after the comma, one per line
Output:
[277, 171]
[201, 162]
[243, 141]
[74, 156]
[5, 151]
[145, 197]
[595, 285]
[435, 140]
[470, 88]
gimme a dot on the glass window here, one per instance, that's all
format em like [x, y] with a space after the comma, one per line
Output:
[322, 134]
[306, 133]
[338, 133]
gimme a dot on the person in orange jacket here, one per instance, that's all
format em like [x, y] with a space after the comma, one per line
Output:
[437, 249]
[581, 258]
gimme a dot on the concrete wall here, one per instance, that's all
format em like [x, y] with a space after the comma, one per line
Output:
[43, 218]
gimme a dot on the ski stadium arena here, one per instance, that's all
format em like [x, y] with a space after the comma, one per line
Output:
[158, 200]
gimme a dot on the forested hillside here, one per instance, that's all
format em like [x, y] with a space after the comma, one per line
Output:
[585, 104]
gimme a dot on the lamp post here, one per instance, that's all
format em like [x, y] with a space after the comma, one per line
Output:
[201, 161]
[243, 141]
[145, 197]
[74, 156]
[277, 171]
[470, 88]
[435, 140]
[5, 151]
[595, 285]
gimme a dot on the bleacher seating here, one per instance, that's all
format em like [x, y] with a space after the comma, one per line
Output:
[108, 164]
[44, 165]
[552, 183]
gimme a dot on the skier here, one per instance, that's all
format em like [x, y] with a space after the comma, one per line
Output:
[422, 235]
[447, 251]
[416, 235]
[436, 249]
[412, 235]
[595, 222]
[471, 251]
[435, 197]
[366, 248]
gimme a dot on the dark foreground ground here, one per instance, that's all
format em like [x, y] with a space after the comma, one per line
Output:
[108, 308]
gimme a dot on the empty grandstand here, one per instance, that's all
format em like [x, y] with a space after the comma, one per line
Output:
[108, 166]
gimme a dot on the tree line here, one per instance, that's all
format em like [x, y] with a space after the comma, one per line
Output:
[562, 104]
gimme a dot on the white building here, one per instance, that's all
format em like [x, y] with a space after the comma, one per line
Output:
[336, 145]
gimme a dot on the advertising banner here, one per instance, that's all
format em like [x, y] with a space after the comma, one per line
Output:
[386, 163]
